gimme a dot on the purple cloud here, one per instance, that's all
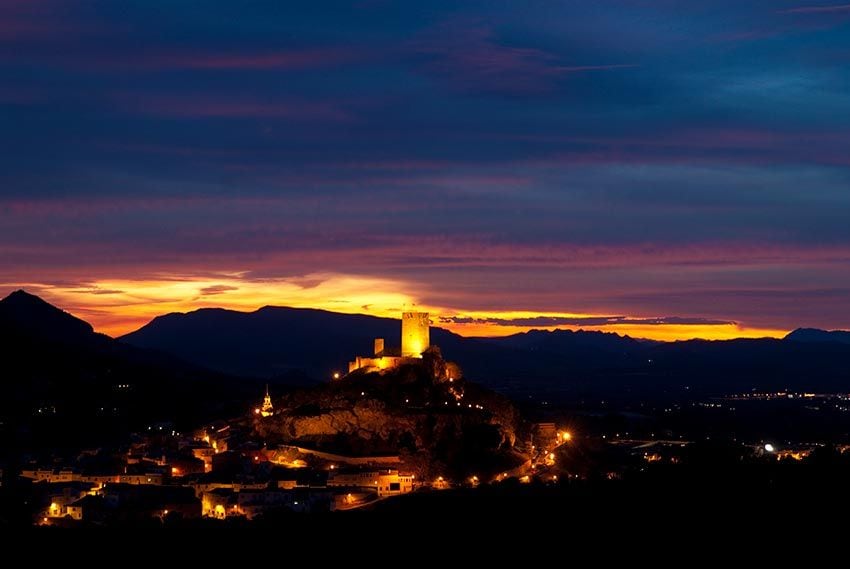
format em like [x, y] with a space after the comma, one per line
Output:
[217, 289]
[219, 106]
[549, 321]
[471, 58]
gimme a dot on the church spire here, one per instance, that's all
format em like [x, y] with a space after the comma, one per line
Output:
[267, 409]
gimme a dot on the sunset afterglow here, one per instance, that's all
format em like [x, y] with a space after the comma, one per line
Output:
[116, 307]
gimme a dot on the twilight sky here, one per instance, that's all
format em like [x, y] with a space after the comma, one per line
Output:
[660, 168]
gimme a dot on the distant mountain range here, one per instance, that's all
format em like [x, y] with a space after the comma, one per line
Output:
[276, 341]
[281, 342]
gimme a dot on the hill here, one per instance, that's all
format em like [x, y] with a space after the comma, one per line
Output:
[65, 384]
[437, 425]
[815, 335]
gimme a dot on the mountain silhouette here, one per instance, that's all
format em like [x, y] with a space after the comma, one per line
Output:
[32, 315]
[594, 345]
[64, 382]
[816, 335]
[50, 358]
[276, 341]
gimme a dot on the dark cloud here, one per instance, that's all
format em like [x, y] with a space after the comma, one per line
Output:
[217, 289]
[549, 321]
[95, 290]
[827, 9]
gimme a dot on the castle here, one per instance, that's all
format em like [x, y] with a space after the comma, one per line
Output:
[415, 339]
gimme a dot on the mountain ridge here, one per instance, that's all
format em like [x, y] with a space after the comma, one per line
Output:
[278, 340]
[278, 344]
[65, 382]
[818, 335]
[35, 315]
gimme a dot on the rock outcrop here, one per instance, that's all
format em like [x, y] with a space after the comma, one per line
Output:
[438, 424]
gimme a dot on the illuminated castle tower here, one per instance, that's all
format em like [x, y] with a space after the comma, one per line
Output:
[415, 339]
[415, 334]
[267, 409]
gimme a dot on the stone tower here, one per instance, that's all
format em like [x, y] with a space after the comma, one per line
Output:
[415, 334]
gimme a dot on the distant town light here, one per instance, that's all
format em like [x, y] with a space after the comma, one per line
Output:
[336, 375]
[769, 447]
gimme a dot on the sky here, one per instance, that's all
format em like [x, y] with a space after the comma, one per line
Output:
[657, 168]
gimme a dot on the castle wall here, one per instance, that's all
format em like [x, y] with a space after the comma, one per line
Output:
[415, 334]
[415, 339]
[378, 364]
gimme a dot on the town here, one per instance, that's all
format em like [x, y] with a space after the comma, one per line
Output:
[220, 472]
[373, 435]
[227, 469]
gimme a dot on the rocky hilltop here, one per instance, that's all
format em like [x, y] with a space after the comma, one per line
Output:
[424, 412]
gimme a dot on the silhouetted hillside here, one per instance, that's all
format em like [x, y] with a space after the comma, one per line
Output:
[29, 314]
[815, 335]
[410, 411]
[593, 346]
[64, 383]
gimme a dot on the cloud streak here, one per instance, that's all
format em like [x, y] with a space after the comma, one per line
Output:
[206, 106]
[293, 59]
[471, 58]
[594, 321]
[826, 9]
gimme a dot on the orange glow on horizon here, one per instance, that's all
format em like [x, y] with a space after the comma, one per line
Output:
[659, 332]
[116, 307]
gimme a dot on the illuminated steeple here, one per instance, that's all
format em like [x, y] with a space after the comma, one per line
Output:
[267, 409]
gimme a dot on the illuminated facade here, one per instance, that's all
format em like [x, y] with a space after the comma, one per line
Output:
[267, 409]
[415, 334]
[415, 339]
[385, 482]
